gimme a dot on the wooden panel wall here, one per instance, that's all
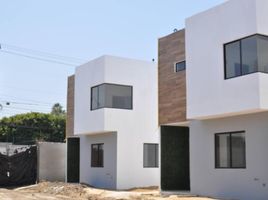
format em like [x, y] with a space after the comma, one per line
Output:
[171, 85]
[70, 107]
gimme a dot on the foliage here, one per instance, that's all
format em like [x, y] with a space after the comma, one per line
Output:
[57, 110]
[31, 127]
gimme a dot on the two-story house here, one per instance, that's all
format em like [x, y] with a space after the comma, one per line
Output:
[213, 103]
[112, 131]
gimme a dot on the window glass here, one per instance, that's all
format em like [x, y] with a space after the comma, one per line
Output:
[118, 96]
[111, 96]
[97, 155]
[230, 150]
[262, 53]
[150, 155]
[180, 66]
[249, 55]
[232, 60]
[222, 150]
[238, 150]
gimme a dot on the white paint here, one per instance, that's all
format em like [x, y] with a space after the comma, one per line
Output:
[247, 184]
[133, 127]
[51, 161]
[208, 94]
[99, 177]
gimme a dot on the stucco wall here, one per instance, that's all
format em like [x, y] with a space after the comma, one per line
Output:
[99, 177]
[51, 161]
[250, 183]
[208, 94]
[133, 127]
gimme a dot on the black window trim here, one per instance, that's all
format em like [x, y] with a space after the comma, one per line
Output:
[230, 133]
[156, 156]
[91, 89]
[102, 166]
[224, 56]
[178, 62]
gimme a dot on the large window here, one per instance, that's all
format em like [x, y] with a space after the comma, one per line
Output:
[246, 56]
[97, 155]
[230, 150]
[111, 96]
[150, 155]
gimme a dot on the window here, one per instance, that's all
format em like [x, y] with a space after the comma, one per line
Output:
[230, 150]
[150, 155]
[180, 66]
[246, 56]
[111, 96]
[97, 155]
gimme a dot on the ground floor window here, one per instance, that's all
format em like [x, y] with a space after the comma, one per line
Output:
[97, 155]
[150, 155]
[230, 150]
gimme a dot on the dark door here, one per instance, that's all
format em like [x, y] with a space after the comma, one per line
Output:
[175, 172]
[73, 160]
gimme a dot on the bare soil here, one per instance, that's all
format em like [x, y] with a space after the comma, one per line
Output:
[66, 191]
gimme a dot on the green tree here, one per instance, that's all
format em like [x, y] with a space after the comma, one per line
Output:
[57, 110]
[31, 127]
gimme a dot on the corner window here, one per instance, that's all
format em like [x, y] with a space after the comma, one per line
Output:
[111, 96]
[180, 66]
[97, 155]
[150, 155]
[230, 150]
[246, 56]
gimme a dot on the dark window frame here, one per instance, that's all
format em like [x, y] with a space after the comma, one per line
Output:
[101, 107]
[230, 159]
[241, 56]
[98, 162]
[156, 164]
[175, 66]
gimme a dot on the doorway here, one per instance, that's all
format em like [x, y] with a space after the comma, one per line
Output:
[175, 159]
[73, 160]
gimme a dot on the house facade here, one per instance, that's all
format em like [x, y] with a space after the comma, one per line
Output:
[112, 129]
[215, 141]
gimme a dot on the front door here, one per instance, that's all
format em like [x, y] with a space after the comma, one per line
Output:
[175, 172]
[73, 160]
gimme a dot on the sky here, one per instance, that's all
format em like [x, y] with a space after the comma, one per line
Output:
[78, 31]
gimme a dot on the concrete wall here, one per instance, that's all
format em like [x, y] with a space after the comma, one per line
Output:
[51, 161]
[133, 127]
[208, 93]
[99, 177]
[250, 183]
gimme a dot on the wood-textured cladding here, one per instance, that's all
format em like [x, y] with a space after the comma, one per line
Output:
[171, 85]
[70, 107]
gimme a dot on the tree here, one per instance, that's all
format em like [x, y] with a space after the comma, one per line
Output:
[31, 127]
[57, 110]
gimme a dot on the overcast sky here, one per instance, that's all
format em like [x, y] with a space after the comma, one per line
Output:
[82, 29]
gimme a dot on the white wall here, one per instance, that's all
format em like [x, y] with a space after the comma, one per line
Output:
[247, 184]
[134, 127]
[51, 161]
[208, 94]
[99, 177]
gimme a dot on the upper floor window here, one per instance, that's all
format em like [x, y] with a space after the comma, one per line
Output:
[246, 56]
[180, 66]
[230, 150]
[111, 96]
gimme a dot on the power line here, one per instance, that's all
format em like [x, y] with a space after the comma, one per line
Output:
[16, 48]
[37, 58]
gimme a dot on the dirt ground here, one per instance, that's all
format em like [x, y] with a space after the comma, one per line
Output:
[66, 191]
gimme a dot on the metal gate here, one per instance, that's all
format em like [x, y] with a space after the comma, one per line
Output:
[18, 165]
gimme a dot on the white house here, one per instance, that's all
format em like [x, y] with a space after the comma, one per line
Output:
[115, 119]
[225, 85]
